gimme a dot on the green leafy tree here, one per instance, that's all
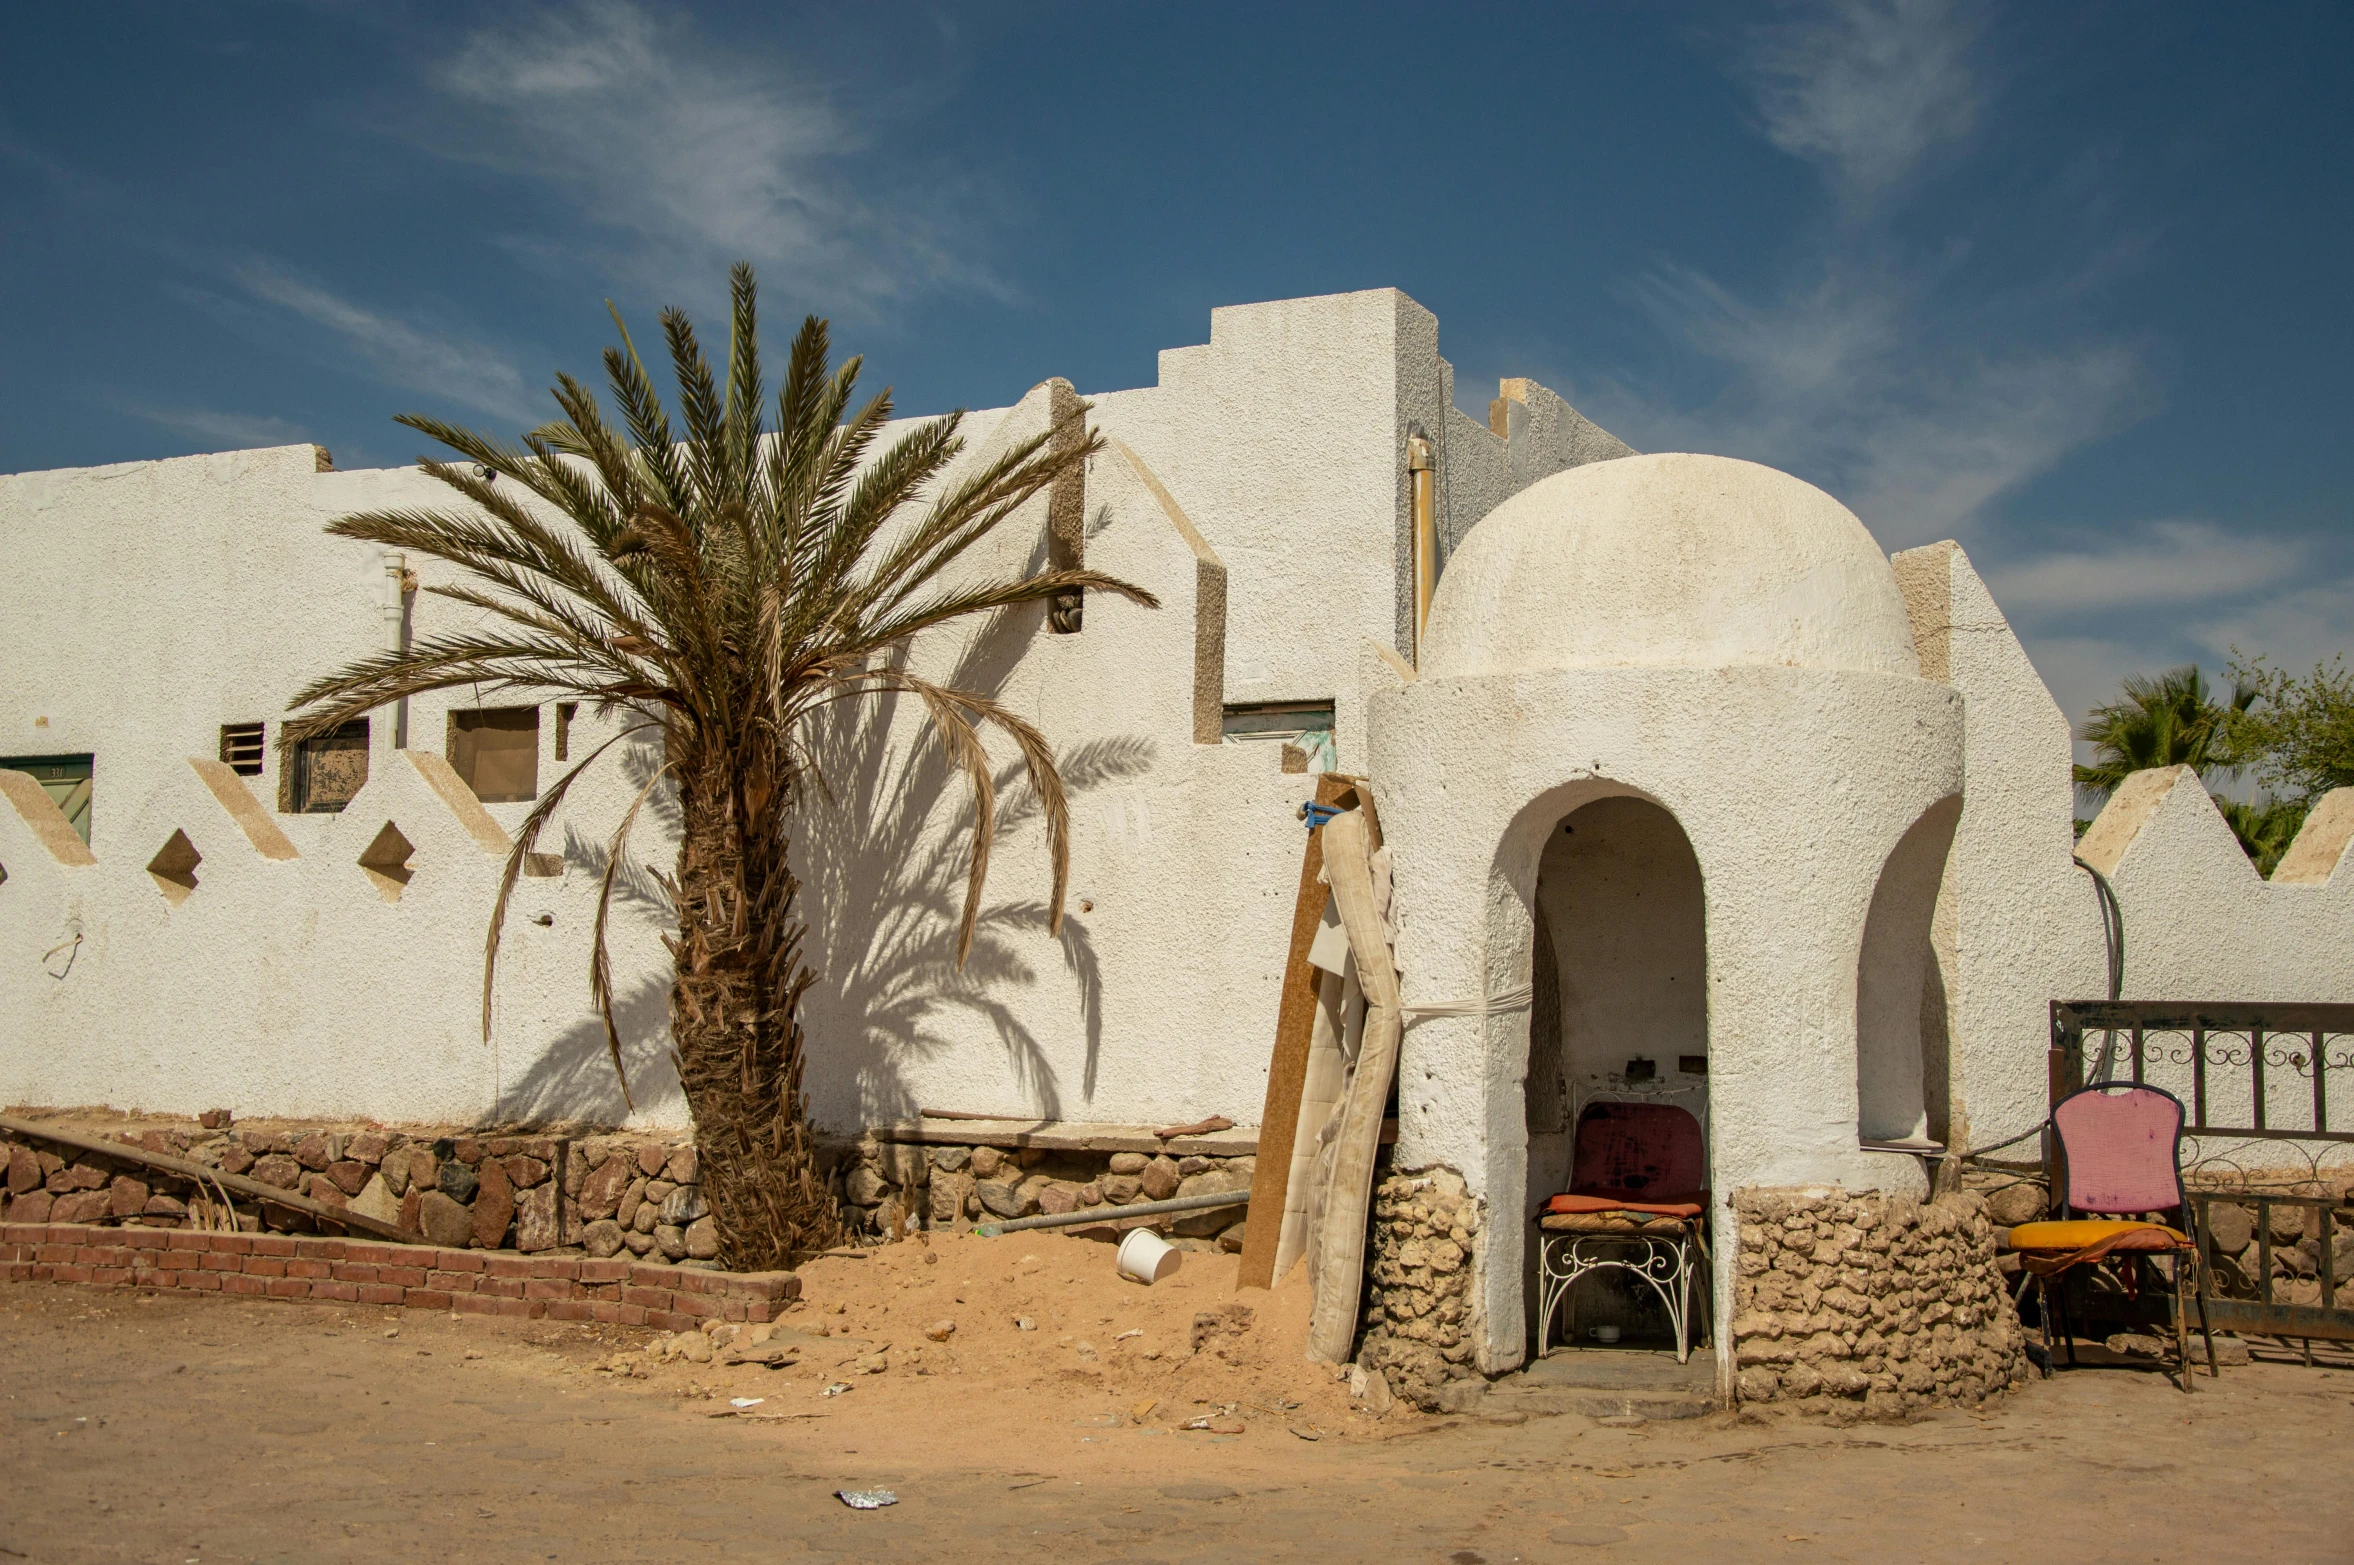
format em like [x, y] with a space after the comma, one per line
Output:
[721, 585]
[2265, 829]
[2300, 741]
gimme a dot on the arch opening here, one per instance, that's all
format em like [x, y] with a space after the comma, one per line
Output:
[1900, 1086]
[1619, 1013]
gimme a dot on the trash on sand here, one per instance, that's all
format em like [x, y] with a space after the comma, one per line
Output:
[1145, 1257]
[836, 1389]
[866, 1499]
[745, 1401]
[1133, 1331]
[1024, 1323]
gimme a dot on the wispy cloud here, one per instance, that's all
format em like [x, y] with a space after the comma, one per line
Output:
[406, 353]
[1887, 372]
[686, 158]
[1853, 381]
[2169, 563]
[222, 431]
[1868, 88]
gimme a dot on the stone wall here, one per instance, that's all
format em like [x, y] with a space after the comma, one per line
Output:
[886, 1184]
[1417, 1332]
[1864, 1304]
[602, 1194]
[411, 1276]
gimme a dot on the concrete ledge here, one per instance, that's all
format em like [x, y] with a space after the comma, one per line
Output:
[413, 1276]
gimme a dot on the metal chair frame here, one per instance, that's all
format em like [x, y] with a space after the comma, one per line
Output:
[1665, 1263]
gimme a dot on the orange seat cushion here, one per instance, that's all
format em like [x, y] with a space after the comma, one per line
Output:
[2083, 1233]
[1613, 1222]
[1565, 1205]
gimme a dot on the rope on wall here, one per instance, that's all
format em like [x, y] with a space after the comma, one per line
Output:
[2113, 933]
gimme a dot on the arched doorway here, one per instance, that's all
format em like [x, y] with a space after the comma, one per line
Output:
[1619, 1012]
[1900, 1090]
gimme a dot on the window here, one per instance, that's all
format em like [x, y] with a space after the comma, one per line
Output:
[1303, 728]
[323, 773]
[241, 748]
[66, 779]
[496, 750]
[566, 711]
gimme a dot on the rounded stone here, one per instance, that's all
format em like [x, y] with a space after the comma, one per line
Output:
[602, 1238]
[702, 1238]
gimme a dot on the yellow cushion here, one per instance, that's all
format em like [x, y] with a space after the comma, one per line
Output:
[2084, 1232]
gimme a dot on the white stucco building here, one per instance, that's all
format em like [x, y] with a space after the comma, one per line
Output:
[1796, 814]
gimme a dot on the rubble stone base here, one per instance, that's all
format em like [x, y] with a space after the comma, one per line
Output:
[1878, 1305]
[1417, 1323]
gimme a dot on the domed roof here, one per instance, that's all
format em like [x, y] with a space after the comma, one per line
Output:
[1671, 560]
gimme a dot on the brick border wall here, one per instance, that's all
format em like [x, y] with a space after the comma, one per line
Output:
[617, 1292]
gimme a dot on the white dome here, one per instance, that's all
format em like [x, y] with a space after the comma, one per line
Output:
[1674, 561]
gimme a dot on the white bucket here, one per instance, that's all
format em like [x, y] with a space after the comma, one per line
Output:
[1146, 1258]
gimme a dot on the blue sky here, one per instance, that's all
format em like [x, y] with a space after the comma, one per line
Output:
[2067, 283]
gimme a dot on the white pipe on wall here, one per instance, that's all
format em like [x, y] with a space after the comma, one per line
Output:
[396, 632]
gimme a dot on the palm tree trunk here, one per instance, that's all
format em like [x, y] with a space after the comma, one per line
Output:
[734, 1018]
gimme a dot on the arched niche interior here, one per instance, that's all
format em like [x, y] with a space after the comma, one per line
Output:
[1899, 994]
[1619, 973]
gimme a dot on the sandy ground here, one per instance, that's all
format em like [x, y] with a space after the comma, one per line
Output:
[173, 1428]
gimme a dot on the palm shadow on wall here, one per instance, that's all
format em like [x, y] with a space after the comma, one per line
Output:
[883, 890]
[573, 1078]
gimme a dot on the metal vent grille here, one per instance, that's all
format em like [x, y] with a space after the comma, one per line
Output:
[241, 748]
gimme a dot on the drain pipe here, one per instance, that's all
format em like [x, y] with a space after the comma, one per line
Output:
[398, 584]
[1207, 1201]
[1422, 476]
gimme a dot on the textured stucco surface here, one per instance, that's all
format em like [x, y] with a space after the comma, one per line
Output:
[1673, 559]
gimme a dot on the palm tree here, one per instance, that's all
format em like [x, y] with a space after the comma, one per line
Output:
[721, 588]
[2166, 721]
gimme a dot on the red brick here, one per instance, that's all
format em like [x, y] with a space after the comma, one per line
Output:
[600, 1290]
[691, 1280]
[373, 1253]
[348, 1271]
[502, 1265]
[380, 1293]
[342, 1292]
[451, 1282]
[501, 1287]
[194, 1239]
[477, 1304]
[20, 1233]
[696, 1307]
[319, 1249]
[233, 1244]
[280, 1245]
[618, 1314]
[110, 1276]
[264, 1266]
[521, 1309]
[288, 1288]
[148, 1277]
[426, 1299]
[52, 1254]
[145, 1238]
[548, 1288]
[17, 1271]
[224, 1263]
[604, 1271]
[569, 1309]
[738, 1310]
[647, 1275]
[238, 1282]
[202, 1282]
[455, 1260]
[304, 1266]
[554, 1266]
[402, 1276]
[664, 1321]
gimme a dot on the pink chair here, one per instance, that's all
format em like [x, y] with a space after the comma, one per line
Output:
[2120, 1152]
[1637, 1201]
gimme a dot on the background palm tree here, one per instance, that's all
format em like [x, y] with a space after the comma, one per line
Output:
[720, 586]
[2166, 721]
[2171, 721]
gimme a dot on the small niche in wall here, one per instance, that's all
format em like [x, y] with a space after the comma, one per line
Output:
[324, 772]
[566, 711]
[1302, 728]
[496, 750]
[174, 868]
[242, 748]
[67, 779]
[386, 862]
